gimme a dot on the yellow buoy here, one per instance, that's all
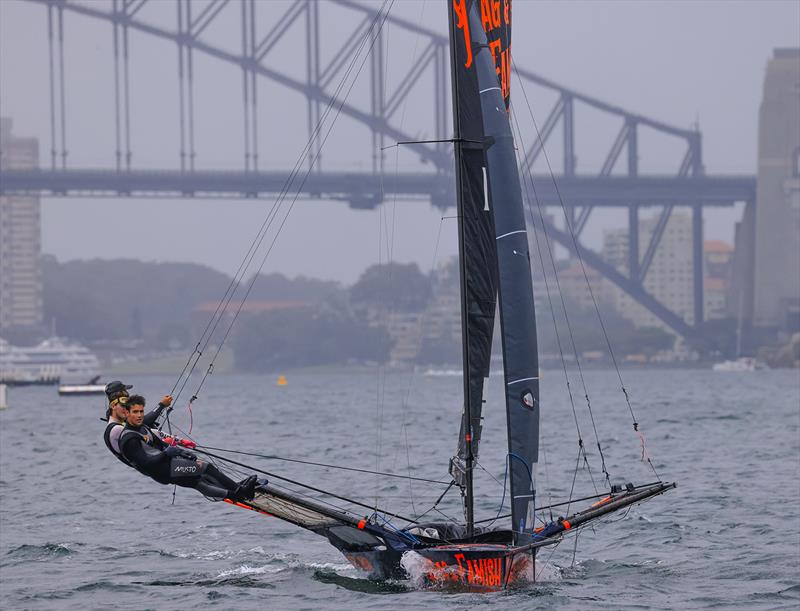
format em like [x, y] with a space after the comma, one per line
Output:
[282, 381]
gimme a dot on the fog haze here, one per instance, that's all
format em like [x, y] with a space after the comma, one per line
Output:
[683, 63]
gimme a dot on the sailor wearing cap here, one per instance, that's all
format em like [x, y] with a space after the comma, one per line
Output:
[116, 414]
[148, 453]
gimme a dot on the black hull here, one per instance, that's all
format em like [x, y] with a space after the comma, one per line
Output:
[487, 560]
[476, 566]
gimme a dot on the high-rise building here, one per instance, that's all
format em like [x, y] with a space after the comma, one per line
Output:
[777, 215]
[669, 278]
[717, 274]
[20, 242]
[574, 286]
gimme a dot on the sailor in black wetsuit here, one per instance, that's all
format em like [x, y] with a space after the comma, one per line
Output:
[146, 452]
[117, 394]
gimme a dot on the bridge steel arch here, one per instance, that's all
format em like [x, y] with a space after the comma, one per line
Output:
[579, 194]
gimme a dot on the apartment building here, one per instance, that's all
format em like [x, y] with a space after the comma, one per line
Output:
[20, 241]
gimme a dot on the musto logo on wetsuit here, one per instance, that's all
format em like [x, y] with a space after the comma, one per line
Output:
[182, 467]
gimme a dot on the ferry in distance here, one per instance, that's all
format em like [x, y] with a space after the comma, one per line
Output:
[48, 362]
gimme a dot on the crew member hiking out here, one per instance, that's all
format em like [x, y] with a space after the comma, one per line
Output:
[143, 449]
[117, 395]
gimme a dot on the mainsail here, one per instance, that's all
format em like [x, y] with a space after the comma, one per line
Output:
[477, 258]
[481, 36]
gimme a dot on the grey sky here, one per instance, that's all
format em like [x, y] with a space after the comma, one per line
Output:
[678, 62]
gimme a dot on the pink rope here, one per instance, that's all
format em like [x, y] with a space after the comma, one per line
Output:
[191, 418]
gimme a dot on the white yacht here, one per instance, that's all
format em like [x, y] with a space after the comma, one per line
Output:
[743, 363]
[52, 360]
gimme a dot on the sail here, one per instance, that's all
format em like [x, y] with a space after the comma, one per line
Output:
[482, 33]
[477, 260]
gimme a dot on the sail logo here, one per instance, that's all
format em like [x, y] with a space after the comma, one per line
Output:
[528, 400]
[496, 22]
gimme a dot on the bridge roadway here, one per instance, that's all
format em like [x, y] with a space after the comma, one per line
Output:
[362, 189]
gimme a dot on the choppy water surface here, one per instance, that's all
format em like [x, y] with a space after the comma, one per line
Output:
[80, 530]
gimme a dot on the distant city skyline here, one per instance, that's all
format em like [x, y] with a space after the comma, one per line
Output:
[674, 62]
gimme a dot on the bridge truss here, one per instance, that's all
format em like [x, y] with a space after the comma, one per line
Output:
[580, 194]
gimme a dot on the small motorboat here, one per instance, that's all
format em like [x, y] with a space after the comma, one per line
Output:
[82, 390]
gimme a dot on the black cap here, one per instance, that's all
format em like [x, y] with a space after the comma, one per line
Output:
[116, 387]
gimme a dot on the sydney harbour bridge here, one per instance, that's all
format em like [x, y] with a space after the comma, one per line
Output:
[617, 185]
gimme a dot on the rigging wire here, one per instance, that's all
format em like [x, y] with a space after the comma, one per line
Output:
[390, 257]
[547, 474]
[438, 500]
[482, 468]
[581, 447]
[405, 402]
[380, 390]
[223, 302]
[418, 343]
[270, 218]
[561, 504]
[502, 498]
[577, 248]
[560, 293]
[308, 486]
[319, 464]
[546, 562]
[381, 18]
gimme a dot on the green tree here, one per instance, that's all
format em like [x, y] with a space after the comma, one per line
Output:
[400, 287]
[306, 336]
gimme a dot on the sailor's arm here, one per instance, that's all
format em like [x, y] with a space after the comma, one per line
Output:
[133, 449]
[151, 418]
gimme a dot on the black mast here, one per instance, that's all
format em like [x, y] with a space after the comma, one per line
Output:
[477, 250]
[466, 429]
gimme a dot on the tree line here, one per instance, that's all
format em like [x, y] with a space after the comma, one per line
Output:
[152, 305]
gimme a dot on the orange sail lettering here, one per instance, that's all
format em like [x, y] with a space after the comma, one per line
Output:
[505, 73]
[460, 9]
[496, 13]
[486, 15]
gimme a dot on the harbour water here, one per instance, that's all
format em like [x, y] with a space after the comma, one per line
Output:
[78, 529]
